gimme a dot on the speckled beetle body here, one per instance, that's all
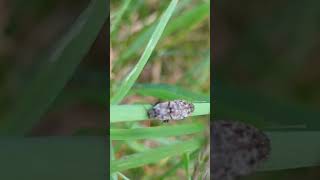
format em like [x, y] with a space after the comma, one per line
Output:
[171, 110]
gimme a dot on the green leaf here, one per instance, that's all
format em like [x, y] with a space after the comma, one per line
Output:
[186, 160]
[184, 22]
[155, 155]
[136, 112]
[130, 79]
[168, 92]
[116, 22]
[156, 132]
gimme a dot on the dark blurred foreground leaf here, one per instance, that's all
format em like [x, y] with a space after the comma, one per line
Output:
[52, 158]
[58, 68]
[295, 149]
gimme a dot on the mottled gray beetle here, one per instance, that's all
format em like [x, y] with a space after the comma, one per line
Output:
[237, 149]
[171, 110]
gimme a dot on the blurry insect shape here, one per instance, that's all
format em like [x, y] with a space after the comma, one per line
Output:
[171, 110]
[237, 149]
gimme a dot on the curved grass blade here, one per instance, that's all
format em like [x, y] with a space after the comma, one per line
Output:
[136, 112]
[155, 155]
[135, 72]
[168, 92]
[156, 132]
[116, 22]
[58, 69]
[184, 22]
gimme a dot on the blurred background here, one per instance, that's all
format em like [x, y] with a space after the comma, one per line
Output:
[29, 32]
[266, 68]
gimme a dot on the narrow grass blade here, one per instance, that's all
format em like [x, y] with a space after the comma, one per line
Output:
[186, 160]
[116, 22]
[291, 150]
[156, 132]
[184, 22]
[136, 112]
[155, 155]
[168, 92]
[135, 72]
[59, 66]
[123, 176]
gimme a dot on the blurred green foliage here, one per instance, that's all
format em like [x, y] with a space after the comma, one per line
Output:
[266, 69]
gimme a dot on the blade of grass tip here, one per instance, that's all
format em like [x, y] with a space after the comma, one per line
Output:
[116, 22]
[156, 132]
[59, 66]
[138, 112]
[155, 155]
[135, 72]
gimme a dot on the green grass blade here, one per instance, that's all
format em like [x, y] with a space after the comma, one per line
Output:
[156, 132]
[135, 72]
[168, 92]
[291, 150]
[59, 66]
[136, 112]
[155, 155]
[189, 20]
[116, 22]
[123, 176]
[184, 22]
[186, 161]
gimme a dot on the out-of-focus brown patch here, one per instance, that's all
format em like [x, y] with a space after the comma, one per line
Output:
[156, 72]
